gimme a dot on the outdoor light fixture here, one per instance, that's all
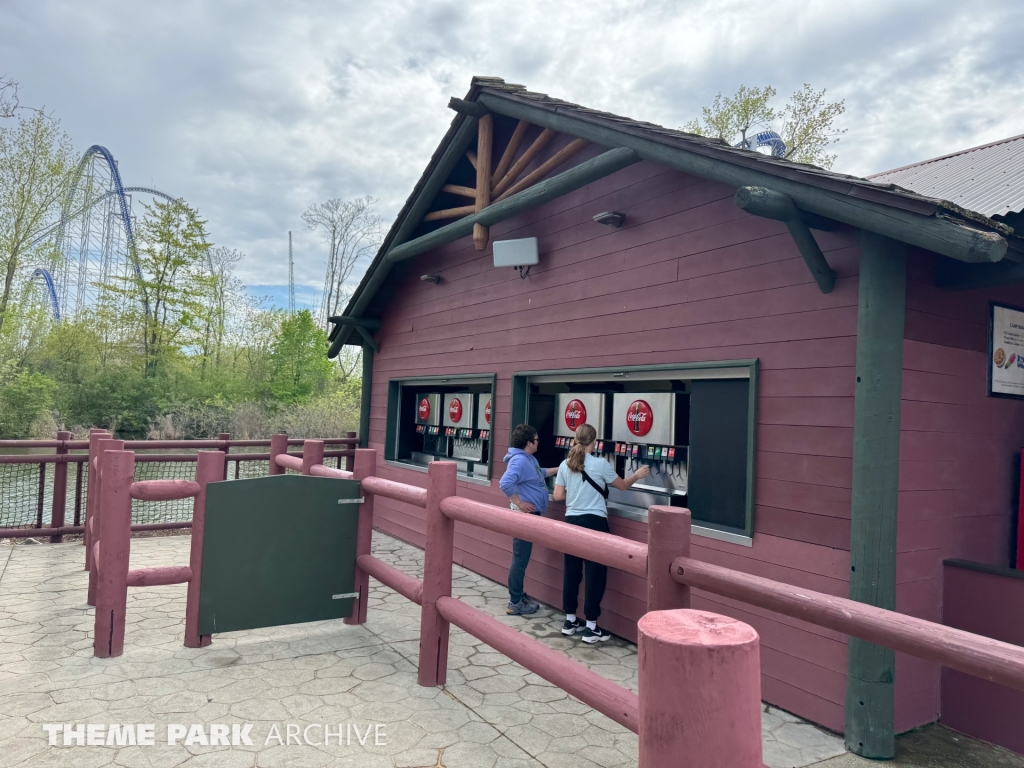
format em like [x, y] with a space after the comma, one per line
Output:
[435, 279]
[611, 218]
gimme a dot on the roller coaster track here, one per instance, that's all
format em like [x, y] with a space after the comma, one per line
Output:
[119, 192]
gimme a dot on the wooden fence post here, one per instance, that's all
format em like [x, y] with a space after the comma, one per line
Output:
[700, 691]
[278, 445]
[365, 465]
[103, 444]
[225, 437]
[210, 468]
[117, 469]
[350, 456]
[91, 491]
[60, 489]
[312, 454]
[668, 537]
[437, 574]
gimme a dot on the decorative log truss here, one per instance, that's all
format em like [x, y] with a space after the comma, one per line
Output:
[493, 186]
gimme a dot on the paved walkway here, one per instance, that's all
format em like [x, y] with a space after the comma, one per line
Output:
[492, 713]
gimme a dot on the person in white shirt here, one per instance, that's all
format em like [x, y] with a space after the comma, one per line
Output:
[582, 483]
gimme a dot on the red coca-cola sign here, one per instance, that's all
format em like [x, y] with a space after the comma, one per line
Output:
[424, 409]
[455, 410]
[639, 418]
[575, 414]
[487, 412]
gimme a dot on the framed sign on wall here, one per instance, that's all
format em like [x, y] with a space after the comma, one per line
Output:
[1006, 351]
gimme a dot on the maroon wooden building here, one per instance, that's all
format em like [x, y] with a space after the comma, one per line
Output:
[816, 346]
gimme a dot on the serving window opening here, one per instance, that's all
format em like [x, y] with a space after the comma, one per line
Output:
[692, 426]
[442, 419]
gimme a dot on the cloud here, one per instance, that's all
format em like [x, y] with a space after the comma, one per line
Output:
[252, 111]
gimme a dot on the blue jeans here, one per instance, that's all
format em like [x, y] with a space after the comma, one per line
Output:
[521, 551]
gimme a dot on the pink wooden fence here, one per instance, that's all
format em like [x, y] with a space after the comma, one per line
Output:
[112, 544]
[699, 673]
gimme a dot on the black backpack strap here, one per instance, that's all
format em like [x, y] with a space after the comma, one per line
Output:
[598, 488]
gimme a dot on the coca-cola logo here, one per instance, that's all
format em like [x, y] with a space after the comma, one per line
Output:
[487, 412]
[575, 414]
[424, 409]
[639, 418]
[455, 410]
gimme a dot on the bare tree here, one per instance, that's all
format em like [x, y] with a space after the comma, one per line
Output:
[224, 287]
[8, 96]
[351, 231]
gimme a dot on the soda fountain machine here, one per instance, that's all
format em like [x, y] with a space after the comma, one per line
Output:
[470, 441]
[645, 431]
[573, 409]
[428, 424]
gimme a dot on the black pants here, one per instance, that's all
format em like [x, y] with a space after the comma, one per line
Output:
[597, 574]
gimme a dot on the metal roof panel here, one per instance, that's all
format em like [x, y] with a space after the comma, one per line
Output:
[988, 179]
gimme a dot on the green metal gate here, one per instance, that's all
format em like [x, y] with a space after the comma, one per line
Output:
[278, 550]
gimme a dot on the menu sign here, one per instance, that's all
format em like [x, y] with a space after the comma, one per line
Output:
[1006, 351]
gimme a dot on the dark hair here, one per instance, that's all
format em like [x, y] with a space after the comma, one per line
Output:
[522, 435]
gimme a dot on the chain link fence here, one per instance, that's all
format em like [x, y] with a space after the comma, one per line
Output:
[27, 487]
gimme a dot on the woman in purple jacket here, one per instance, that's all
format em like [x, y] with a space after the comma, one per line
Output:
[523, 483]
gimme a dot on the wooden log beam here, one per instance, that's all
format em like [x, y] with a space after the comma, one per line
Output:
[484, 143]
[520, 165]
[510, 152]
[881, 312]
[450, 213]
[759, 201]
[540, 193]
[930, 232]
[559, 158]
[368, 339]
[434, 178]
[367, 322]
[471, 156]
[458, 189]
[471, 108]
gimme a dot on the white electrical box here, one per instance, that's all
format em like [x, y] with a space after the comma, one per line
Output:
[516, 253]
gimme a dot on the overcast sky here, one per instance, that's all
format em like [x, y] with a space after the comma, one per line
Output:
[253, 110]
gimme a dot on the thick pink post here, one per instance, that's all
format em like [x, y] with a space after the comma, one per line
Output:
[210, 468]
[278, 445]
[91, 494]
[60, 489]
[365, 464]
[225, 436]
[103, 444]
[312, 454]
[668, 533]
[700, 691]
[117, 468]
[437, 574]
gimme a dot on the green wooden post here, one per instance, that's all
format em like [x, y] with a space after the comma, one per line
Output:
[364, 399]
[876, 454]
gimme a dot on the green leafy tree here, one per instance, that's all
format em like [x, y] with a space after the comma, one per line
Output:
[36, 161]
[300, 367]
[173, 292]
[805, 123]
[24, 396]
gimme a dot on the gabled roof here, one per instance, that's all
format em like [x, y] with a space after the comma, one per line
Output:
[702, 156]
[988, 179]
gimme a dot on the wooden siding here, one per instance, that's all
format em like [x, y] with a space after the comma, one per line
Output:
[688, 278]
[958, 456]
